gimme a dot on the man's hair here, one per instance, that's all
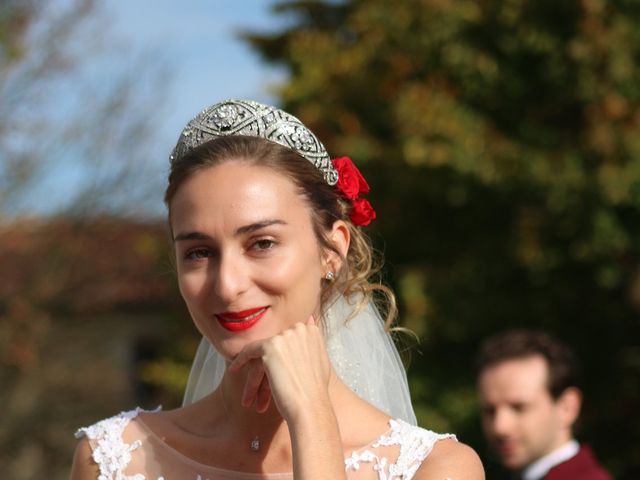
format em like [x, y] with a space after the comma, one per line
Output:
[517, 344]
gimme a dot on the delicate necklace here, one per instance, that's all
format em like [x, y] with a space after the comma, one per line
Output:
[255, 443]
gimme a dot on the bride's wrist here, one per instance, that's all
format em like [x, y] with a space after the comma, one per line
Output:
[312, 416]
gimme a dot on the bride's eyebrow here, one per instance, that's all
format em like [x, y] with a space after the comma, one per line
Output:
[191, 236]
[240, 231]
[258, 225]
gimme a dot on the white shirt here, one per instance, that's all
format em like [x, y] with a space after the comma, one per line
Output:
[541, 467]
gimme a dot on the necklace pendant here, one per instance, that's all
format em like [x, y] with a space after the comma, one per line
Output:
[255, 444]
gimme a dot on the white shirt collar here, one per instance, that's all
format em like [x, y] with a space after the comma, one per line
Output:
[540, 467]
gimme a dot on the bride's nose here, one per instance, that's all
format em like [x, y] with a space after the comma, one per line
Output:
[231, 278]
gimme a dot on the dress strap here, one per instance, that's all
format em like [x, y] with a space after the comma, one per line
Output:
[109, 450]
[415, 446]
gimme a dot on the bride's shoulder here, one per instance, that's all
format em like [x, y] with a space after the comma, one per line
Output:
[112, 427]
[102, 444]
[83, 467]
[432, 455]
[450, 459]
[417, 453]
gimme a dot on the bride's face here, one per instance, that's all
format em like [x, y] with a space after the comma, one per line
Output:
[249, 264]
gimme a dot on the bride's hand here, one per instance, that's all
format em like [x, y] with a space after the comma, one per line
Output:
[292, 367]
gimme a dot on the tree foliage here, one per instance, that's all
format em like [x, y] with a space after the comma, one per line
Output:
[55, 114]
[74, 134]
[502, 142]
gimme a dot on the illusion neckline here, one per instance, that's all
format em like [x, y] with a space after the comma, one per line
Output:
[237, 473]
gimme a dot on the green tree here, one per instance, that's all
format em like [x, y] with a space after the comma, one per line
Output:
[502, 142]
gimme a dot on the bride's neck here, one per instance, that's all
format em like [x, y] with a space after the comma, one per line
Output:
[246, 420]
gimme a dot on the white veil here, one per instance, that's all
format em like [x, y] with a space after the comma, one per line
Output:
[362, 353]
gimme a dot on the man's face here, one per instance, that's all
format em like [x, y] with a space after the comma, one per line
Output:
[521, 420]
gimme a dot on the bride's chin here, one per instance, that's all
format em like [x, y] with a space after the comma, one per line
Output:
[230, 349]
[231, 346]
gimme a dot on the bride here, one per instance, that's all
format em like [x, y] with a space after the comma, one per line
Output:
[297, 376]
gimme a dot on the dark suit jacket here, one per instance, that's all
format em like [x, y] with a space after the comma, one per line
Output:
[583, 466]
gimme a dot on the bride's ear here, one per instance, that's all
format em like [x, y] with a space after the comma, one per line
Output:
[340, 238]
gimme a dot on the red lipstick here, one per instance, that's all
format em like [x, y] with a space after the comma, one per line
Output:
[239, 321]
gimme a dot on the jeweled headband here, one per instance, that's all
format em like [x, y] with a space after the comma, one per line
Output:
[246, 117]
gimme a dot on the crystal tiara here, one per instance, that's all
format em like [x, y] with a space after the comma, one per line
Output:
[246, 117]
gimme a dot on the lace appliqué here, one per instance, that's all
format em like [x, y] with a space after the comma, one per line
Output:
[111, 453]
[415, 445]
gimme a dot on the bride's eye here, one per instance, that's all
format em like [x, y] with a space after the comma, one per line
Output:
[197, 254]
[263, 244]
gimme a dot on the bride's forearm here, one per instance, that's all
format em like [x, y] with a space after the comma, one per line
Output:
[316, 445]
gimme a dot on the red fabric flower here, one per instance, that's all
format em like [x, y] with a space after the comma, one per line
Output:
[362, 212]
[350, 181]
[352, 184]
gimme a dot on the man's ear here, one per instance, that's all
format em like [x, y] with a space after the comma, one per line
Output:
[569, 403]
[340, 238]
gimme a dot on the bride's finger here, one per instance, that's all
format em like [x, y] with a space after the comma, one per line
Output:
[248, 353]
[264, 396]
[255, 376]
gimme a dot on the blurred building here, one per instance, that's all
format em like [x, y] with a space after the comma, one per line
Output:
[84, 306]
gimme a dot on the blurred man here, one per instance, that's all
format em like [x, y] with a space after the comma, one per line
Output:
[529, 398]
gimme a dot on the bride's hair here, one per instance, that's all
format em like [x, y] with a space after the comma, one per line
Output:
[359, 276]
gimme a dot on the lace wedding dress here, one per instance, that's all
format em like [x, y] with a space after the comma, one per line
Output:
[124, 448]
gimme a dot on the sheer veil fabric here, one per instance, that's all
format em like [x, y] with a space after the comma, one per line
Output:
[361, 350]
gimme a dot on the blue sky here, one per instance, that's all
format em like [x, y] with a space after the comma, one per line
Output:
[196, 41]
[207, 61]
